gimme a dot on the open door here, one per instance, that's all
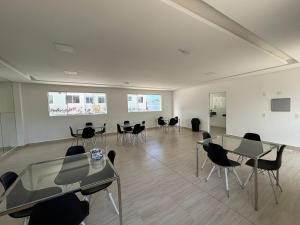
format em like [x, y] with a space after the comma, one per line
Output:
[217, 113]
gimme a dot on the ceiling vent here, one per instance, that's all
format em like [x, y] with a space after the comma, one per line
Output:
[64, 48]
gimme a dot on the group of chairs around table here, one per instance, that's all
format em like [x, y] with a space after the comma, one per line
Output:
[88, 134]
[218, 156]
[132, 133]
[167, 123]
[66, 209]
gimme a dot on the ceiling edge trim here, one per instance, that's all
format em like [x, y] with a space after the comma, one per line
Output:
[14, 69]
[200, 10]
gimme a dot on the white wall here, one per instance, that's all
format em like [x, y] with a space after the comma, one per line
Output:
[7, 116]
[248, 105]
[39, 127]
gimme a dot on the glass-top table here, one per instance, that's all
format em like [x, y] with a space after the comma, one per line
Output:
[242, 147]
[49, 179]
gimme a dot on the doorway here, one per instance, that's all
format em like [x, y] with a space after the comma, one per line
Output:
[217, 113]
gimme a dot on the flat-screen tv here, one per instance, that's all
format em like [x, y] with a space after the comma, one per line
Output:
[281, 104]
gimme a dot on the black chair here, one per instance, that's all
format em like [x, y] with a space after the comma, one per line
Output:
[120, 132]
[205, 135]
[19, 195]
[173, 122]
[270, 166]
[102, 132]
[128, 128]
[63, 210]
[161, 122]
[135, 133]
[143, 129]
[88, 133]
[106, 172]
[218, 156]
[75, 150]
[76, 136]
[88, 124]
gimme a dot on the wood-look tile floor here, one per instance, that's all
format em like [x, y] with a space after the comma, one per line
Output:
[159, 186]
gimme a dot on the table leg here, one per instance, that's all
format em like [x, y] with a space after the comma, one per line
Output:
[120, 201]
[255, 185]
[197, 160]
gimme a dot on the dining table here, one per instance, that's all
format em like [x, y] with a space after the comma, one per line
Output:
[242, 147]
[69, 174]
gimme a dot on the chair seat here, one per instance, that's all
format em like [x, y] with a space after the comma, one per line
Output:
[64, 210]
[234, 163]
[263, 164]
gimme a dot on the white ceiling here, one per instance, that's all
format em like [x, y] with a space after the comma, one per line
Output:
[137, 41]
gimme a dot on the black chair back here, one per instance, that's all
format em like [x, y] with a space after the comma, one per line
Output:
[136, 129]
[88, 132]
[111, 155]
[126, 122]
[75, 150]
[161, 122]
[218, 155]
[104, 128]
[279, 157]
[7, 179]
[252, 136]
[173, 122]
[88, 124]
[143, 125]
[72, 132]
[119, 129]
[205, 135]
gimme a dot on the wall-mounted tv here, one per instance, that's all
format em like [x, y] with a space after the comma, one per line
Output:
[281, 104]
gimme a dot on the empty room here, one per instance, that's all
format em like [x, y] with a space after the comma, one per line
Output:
[139, 112]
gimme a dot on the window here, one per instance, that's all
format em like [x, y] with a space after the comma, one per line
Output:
[66, 103]
[144, 103]
[89, 100]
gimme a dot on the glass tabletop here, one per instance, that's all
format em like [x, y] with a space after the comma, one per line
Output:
[49, 179]
[240, 146]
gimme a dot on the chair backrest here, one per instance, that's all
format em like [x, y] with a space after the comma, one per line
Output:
[126, 122]
[71, 131]
[176, 118]
[279, 156]
[7, 179]
[75, 150]
[119, 129]
[173, 122]
[161, 122]
[252, 136]
[143, 125]
[136, 129]
[103, 130]
[88, 124]
[88, 132]
[111, 155]
[205, 135]
[218, 155]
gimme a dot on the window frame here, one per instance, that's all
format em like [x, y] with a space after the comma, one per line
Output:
[79, 114]
[145, 99]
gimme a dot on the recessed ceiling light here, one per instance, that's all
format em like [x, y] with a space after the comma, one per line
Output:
[71, 73]
[64, 48]
[183, 51]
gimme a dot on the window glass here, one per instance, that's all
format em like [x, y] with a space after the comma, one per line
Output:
[144, 103]
[66, 103]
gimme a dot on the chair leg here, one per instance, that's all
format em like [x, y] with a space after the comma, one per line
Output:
[249, 177]
[226, 181]
[26, 220]
[112, 200]
[277, 180]
[210, 173]
[238, 178]
[273, 188]
[219, 172]
[204, 163]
